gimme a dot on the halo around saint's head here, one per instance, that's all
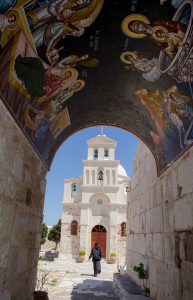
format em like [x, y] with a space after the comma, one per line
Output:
[124, 57]
[14, 14]
[79, 82]
[132, 18]
[156, 30]
[70, 70]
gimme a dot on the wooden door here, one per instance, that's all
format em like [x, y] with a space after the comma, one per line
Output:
[98, 235]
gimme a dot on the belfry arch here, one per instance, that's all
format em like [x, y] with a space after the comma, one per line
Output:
[137, 82]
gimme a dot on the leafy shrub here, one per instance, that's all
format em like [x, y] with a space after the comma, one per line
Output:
[113, 254]
[53, 282]
[142, 273]
[82, 252]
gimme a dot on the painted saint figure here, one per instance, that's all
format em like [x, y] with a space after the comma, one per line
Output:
[180, 111]
[49, 24]
[167, 35]
[62, 97]
[148, 67]
[76, 12]
[73, 60]
[49, 35]
[59, 10]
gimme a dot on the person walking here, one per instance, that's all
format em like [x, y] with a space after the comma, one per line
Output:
[96, 258]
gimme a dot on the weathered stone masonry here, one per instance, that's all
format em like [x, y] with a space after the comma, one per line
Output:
[160, 225]
[22, 186]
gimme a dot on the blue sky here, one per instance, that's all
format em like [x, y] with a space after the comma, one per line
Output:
[68, 163]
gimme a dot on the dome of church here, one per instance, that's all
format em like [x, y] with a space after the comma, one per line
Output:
[121, 171]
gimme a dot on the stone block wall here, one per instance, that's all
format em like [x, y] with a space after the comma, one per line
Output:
[160, 226]
[121, 250]
[22, 187]
[69, 244]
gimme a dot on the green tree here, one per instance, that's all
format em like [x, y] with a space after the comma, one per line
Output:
[44, 233]
[55, 233]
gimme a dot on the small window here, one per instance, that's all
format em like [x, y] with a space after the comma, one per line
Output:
[123, 229]
[95, 153]
[106, 153]
[74, 187]
[74, 228]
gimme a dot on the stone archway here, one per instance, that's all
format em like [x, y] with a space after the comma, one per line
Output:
[158, 111]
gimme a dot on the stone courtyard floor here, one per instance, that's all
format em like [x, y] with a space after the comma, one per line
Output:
[69, 280]
[72, 280]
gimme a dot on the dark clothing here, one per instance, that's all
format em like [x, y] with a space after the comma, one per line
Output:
[96, 255]
[96, 267]
[31, 71]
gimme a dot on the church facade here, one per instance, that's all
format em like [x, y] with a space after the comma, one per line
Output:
[95, 205]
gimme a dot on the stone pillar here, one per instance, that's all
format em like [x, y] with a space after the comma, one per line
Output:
[113, 239]
[113, 231]
[65, 242]
[84, 222]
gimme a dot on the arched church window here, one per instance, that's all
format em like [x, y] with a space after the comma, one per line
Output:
[99, 228]
[74, 228]
[106, 153]
[95, 156]
[123, 229]
[74, 187]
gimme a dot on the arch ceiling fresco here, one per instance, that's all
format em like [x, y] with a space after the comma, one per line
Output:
[69, 64]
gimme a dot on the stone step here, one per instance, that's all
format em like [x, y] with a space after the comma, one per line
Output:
[127, 289]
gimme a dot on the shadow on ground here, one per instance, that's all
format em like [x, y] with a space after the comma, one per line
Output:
[49, 255]
[91, 289]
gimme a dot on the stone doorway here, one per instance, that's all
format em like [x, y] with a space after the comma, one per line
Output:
[98, 235]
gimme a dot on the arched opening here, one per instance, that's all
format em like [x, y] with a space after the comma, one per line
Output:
[99, 235]
[52, 88]
[74, 228]
[123, 229]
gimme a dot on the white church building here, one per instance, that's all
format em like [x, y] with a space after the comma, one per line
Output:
[95, 205]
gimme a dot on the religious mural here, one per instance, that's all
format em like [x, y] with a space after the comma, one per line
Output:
[69, 64]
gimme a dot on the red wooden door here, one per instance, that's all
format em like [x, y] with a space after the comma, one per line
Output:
[98, 235]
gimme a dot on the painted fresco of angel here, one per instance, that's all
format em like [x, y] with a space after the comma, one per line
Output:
[148, 67]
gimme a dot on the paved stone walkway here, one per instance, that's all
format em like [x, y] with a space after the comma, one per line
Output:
[78, 283]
